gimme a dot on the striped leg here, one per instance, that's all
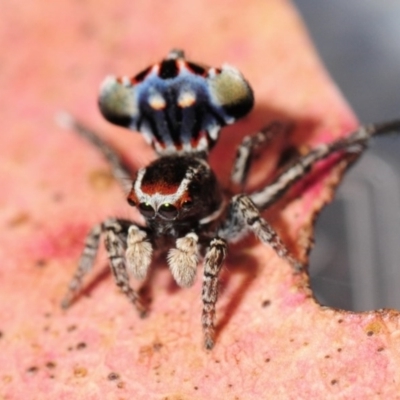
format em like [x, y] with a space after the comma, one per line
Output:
[119, 170]
[115, 242]
[249, 149]
[213, 262]
[84, 266]
[352, 145]
[244, 216]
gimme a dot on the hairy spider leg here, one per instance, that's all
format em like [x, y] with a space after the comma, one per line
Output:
[119, 170]
[85, 264]
[243, 216]
[352, 146]
[250, 147]
[214, 259]
[115, 242]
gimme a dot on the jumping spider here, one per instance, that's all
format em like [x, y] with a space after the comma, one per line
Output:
[180, 107]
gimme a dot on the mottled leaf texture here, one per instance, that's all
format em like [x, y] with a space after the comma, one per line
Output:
[273, 340]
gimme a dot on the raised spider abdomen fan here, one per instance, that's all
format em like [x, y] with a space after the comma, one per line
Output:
[177, 105]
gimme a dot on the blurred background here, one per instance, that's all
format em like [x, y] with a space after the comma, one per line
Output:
[355, 263]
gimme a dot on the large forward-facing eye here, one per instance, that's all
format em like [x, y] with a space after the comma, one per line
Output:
[168, 211]
[187, 204]
[146, 210]
[131, 202]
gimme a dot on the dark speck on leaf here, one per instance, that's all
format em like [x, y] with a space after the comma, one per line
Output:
[266, 303]
[71, 328]
[58, 197]
[50, 364]
[80, 372]
[157, 346]
[112, 376]
[41, 263]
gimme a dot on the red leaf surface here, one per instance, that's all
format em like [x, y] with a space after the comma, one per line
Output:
[274, 341]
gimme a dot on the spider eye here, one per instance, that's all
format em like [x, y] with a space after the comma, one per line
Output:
[131, 202]
[187, 204]
[168, 211]
[146, 210]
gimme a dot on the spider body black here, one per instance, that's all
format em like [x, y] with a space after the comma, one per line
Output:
[178, 189]
[180, 107]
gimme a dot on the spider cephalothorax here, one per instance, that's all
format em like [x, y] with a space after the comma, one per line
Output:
[180, 107]
[178, 189]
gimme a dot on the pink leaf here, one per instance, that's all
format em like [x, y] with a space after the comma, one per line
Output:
[273, 340]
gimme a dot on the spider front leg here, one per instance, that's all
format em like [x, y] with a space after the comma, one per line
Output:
[116, 246]
[250, 147]
[118, 241]
[213, 262]
[85, 264]
[243, 216]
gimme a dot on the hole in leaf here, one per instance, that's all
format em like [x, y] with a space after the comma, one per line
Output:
[355, 264]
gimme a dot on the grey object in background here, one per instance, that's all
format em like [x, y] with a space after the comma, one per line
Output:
[355, 264]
